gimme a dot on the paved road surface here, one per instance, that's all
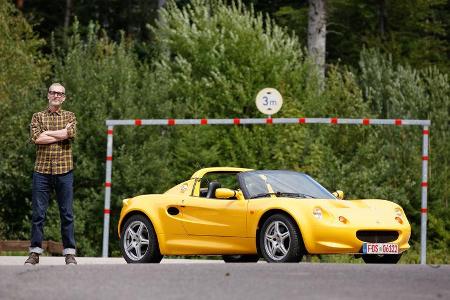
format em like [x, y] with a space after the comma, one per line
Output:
[184, 279]
[55, 261]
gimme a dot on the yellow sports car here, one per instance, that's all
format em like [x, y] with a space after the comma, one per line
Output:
[245, 214]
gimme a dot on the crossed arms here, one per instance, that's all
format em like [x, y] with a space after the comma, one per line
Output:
[52, 136]
[41, 137]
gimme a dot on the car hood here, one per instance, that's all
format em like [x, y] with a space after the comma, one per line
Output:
[370, 212]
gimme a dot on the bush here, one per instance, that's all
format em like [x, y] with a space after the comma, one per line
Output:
[22, 75]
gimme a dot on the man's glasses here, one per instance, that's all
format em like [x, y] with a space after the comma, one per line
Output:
[54, 93]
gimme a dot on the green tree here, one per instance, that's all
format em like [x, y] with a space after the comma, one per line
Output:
[22, 74]
[396, 91]
[413, 32]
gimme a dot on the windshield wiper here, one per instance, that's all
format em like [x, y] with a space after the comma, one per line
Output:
[300, 195]
[262, 195]
[278, 194]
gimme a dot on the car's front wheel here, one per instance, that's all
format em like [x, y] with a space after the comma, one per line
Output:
[381, 259]
[138, 241]
[280, 240]
[247, 258]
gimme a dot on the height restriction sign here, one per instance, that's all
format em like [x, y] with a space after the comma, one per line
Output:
[269, 101]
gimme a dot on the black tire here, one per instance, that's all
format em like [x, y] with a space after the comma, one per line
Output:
[138, 241]
[274, 242]
[247, 258]
[381, 259]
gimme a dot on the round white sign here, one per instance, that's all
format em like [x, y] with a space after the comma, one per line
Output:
[269, 101]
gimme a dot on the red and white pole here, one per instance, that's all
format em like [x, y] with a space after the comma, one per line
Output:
[424, 207]
[107, 209]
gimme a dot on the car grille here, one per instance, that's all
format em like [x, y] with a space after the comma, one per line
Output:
[377, 236]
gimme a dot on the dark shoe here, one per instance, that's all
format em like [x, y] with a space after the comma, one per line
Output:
[70, 259]
[33, 259]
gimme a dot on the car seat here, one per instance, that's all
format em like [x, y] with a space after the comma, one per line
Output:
[212, 187]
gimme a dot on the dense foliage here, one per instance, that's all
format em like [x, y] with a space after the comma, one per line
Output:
[208, 60]
[23, 71]
[411, 31]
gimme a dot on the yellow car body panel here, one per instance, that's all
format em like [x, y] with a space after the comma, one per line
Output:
[329, 235]
[215, 218]
[230, 226]
[205, 245]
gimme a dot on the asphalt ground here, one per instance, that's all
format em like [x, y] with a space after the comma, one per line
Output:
[100, 278]
[59, 260]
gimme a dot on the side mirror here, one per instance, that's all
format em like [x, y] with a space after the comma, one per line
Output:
[223, 193]
[339, 194]
[239, 195]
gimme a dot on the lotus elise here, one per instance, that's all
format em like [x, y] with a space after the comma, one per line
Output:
[243, 215]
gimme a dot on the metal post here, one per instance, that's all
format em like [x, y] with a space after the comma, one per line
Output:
[107, 209]
[424, 209]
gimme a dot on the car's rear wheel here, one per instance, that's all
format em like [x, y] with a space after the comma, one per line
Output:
[280, 240]
[138, 242]
[247, 258]
[381, 259]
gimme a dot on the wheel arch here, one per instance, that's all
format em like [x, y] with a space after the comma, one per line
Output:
[155, 251]
[134, 213]
[270, 213]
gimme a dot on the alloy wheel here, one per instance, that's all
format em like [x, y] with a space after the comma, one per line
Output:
[277, 240]
[136, 240]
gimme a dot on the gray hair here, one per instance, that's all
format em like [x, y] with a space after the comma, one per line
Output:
[56, 84]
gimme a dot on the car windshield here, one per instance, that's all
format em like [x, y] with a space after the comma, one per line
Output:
[264, 183]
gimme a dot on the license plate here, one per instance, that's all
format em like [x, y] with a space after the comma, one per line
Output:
[380, 248]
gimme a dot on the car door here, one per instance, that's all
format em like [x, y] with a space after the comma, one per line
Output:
[214, 217]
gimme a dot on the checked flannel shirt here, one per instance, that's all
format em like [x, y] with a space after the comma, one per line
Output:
[55, 158]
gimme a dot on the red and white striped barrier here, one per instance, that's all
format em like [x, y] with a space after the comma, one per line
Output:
[245, 121]
[268, 121]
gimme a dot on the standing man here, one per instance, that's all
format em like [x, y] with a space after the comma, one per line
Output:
[52, 130]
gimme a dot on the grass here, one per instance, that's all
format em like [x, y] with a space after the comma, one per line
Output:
[13, 253]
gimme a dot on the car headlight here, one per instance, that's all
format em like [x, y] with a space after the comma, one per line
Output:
[399, 215]
[317, 212]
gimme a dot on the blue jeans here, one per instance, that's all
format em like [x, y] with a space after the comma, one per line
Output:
[43, 185]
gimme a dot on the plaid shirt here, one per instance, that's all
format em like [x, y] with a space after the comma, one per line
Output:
[55, 158]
